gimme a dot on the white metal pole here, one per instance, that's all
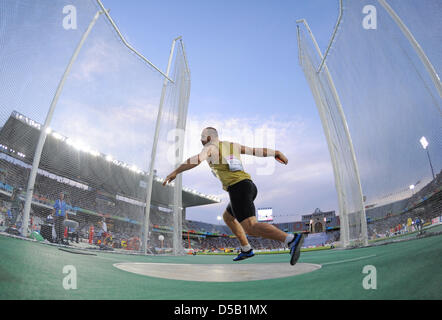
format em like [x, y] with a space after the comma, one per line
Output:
[347, 134]
[331, 147]
[299, 45]
[341, 10]
[330, 144]
[177, 193]
[127, 44]
[185, 56]
[43, 133]
[154, 151]
[183, 100]
[423, 57]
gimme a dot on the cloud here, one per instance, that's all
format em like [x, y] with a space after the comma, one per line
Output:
[95, 60]
[125, 133]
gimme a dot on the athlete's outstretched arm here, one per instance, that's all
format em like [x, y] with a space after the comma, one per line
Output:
[190, 163]
[264, 152]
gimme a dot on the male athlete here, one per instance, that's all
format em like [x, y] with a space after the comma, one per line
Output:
[224, 158]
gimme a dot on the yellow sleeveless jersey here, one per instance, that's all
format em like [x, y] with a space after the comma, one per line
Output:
[229, 168]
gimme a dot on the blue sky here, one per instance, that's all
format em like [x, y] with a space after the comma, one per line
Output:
[243, 54]
[245, 71]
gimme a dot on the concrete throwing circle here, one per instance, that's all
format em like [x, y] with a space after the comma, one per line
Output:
[218, 272]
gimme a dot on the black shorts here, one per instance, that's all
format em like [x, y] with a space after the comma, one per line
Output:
[241, 196]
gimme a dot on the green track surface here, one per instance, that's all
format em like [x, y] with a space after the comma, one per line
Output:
[405, 270]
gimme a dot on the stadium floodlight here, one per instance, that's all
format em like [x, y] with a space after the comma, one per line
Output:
[424, 143]
[109, 158]
[94, 153]
[57, 136]
[48, 130]
[78, 145]
[70, 142]
[412, 186]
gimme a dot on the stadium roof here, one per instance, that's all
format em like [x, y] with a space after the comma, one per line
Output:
[19, 137]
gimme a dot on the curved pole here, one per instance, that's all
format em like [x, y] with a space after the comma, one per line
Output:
[420, 52]
[128, 45]
[184, 91]
[154, 152]
[333, 36]
[347, 133]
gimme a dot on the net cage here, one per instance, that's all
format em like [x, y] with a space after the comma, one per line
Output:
[378, 94]
[84, 120]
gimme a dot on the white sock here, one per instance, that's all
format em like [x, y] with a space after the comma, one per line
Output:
[246, 248]
[289, 238]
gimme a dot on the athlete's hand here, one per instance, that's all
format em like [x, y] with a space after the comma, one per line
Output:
[280, 157]
[169, 178]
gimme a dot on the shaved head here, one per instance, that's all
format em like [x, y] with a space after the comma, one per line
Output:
[208, 134]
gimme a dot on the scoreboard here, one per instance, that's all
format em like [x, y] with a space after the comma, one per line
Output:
[265, 214]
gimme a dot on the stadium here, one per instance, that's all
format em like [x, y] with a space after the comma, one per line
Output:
[94, 135]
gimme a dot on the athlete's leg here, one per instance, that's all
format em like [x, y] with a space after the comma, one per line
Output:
[268, 231]
[242, 196]
[236, 228]
[264, 230]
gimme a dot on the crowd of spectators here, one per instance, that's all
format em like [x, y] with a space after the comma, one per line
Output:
[48, 186]
[223, 243]
[386, 222]
[207, 227]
